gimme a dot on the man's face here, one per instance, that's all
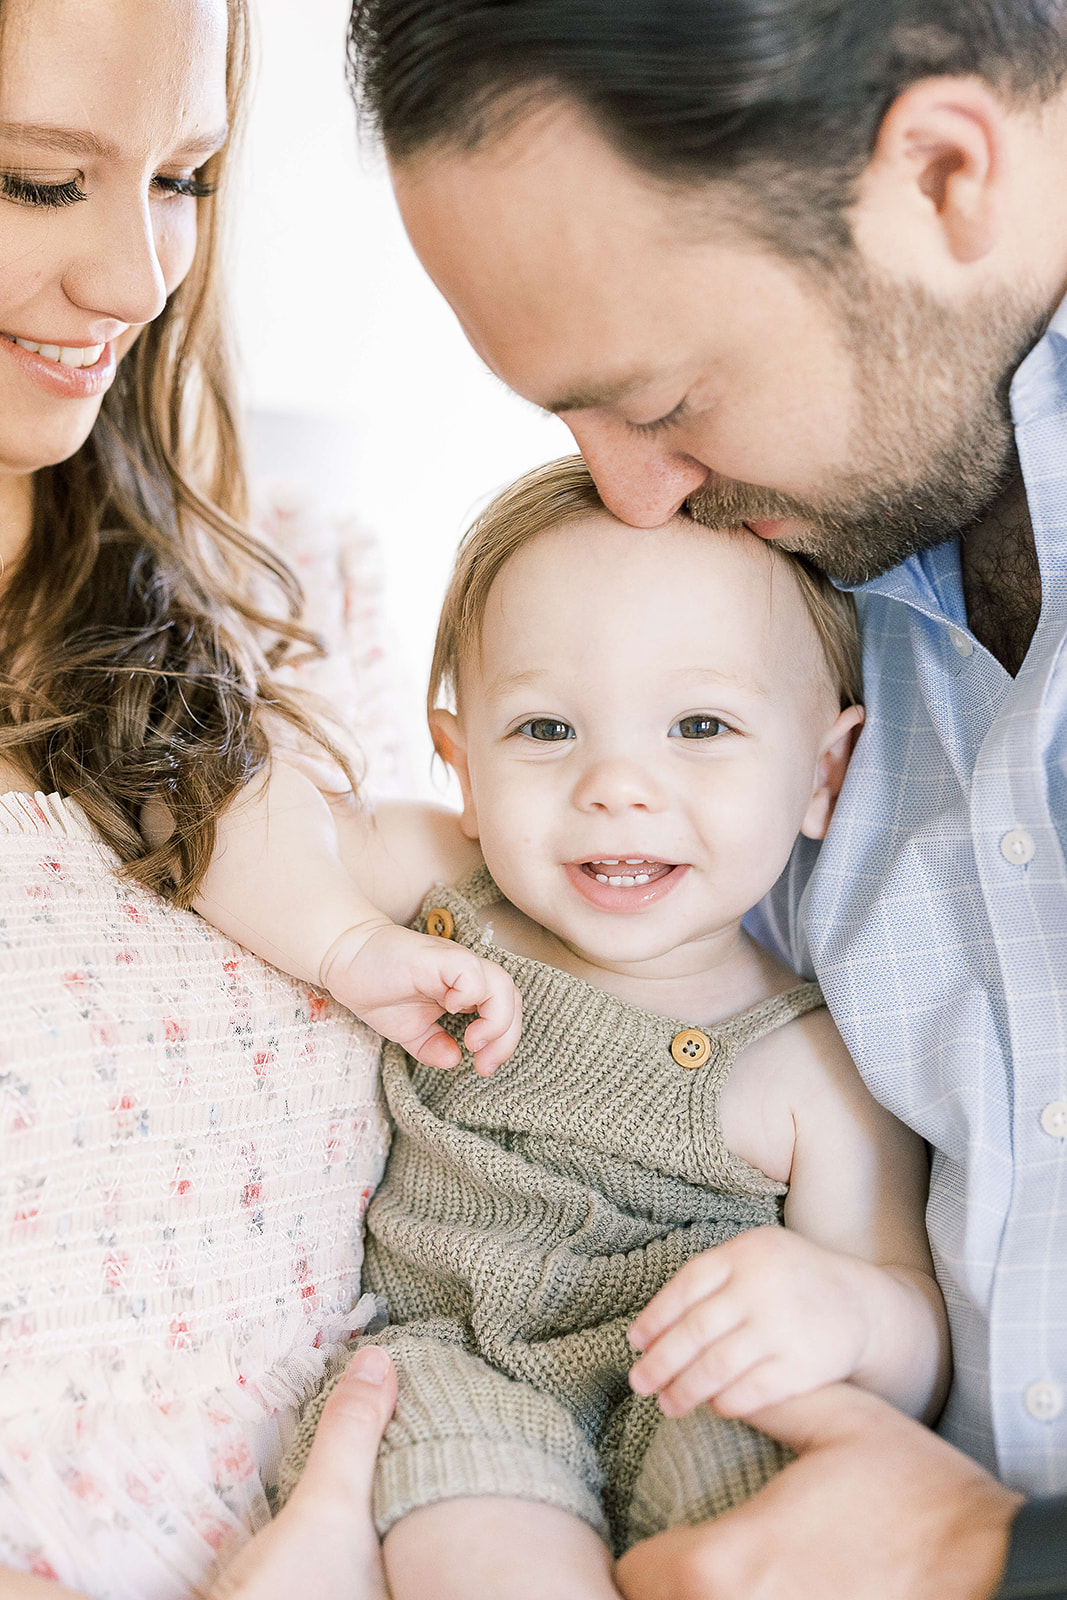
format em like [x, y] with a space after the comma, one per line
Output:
[846, 416]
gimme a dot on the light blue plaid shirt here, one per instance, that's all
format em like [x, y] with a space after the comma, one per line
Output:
[935, 917]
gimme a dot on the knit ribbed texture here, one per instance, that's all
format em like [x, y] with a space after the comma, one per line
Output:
[522, 1223]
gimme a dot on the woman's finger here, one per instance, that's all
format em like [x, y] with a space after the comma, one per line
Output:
[350, 1428]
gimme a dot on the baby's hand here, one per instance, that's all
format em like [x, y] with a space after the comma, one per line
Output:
[758, 1319]
[399, 982]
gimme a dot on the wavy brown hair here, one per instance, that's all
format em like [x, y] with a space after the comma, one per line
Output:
[136, 650]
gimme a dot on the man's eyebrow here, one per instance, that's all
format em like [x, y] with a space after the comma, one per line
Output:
[597, 396]
[75, 142]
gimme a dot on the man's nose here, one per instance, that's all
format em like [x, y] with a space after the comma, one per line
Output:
[616, 785]
[640, 481]
[116, 272]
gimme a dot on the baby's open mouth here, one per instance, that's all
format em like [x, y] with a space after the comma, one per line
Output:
[627, 873]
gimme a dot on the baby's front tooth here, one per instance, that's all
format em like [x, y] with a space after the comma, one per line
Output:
[601, 877]
[616, 883]
[642, 877]
[50, 351]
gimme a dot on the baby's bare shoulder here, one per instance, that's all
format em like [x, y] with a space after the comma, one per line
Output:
[796, 1075]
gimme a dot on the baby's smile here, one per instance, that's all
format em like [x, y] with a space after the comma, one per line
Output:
[629, 883]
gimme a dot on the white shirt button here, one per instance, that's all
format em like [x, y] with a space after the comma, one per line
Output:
[1054, 1119]
[961, 643]
[1017, 847]
[1044, 1400]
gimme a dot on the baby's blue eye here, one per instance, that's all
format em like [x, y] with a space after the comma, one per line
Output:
[549, 730]
[699, 725]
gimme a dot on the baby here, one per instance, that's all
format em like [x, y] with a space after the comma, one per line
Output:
[641, 723]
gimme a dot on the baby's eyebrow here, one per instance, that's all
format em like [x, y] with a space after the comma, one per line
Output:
[509, 682]
[716, 675]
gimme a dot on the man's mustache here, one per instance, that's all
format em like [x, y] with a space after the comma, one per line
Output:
[719, 504]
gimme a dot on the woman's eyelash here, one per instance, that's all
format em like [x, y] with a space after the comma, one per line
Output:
[31, 193]
[191, 188]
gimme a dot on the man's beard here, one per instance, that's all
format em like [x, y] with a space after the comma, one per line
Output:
[933, 445]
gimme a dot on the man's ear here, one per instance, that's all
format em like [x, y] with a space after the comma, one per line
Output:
[935, 189]
[830, 769]
[447, 735]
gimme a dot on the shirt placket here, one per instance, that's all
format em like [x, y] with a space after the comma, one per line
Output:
[1024, 880]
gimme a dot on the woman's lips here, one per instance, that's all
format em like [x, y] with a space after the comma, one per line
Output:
[68, 383]
[592, 879]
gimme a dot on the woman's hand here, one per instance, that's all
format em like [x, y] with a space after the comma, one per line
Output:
[399, 982]
[323, 1539]
[766, 1316]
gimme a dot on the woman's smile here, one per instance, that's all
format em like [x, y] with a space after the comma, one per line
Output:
[73, 372]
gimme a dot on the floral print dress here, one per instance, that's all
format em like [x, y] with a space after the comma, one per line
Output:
[188, 1141]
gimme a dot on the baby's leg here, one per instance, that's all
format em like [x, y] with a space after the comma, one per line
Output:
[696, 1467]
[491, 1548]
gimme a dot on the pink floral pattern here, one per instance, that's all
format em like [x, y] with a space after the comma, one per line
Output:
[188, 1141]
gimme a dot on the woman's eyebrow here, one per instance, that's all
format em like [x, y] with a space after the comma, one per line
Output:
[73, 141]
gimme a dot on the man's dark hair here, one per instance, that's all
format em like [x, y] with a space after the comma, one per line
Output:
[786, 94]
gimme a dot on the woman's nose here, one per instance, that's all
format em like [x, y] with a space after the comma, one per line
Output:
[640, 481]
[616, 786]
[117, 271]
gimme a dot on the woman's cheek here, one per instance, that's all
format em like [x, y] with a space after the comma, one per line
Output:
[176, 241]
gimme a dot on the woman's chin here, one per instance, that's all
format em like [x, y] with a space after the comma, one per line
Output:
[46, 446]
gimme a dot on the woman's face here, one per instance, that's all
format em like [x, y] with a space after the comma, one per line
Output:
[107, 110]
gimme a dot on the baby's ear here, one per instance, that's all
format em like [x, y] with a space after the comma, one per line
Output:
[446, 732]
[834, 756]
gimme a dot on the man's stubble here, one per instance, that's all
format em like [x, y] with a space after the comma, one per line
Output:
[933, 444]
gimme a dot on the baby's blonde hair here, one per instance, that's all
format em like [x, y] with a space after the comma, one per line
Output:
[563, 491]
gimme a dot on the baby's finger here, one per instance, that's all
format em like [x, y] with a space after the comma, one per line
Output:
[722, 1364]
[702, 1276]
[494, 1036]
[768, 1383]
[434, 1048]
[709, 1320]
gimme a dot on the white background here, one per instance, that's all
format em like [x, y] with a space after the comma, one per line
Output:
[396, 419]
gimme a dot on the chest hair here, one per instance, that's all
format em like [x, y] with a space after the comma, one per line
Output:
[1001, 578]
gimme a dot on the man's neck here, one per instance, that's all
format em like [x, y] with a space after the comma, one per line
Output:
[1001, 577]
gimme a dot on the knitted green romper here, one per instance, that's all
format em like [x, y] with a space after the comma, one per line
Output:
[523, 1221]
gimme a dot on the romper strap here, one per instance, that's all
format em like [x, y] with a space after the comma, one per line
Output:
[479, 889]
[767, 1015]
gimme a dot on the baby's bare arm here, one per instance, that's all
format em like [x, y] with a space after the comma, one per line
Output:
[291, 879]
[846, 1290]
